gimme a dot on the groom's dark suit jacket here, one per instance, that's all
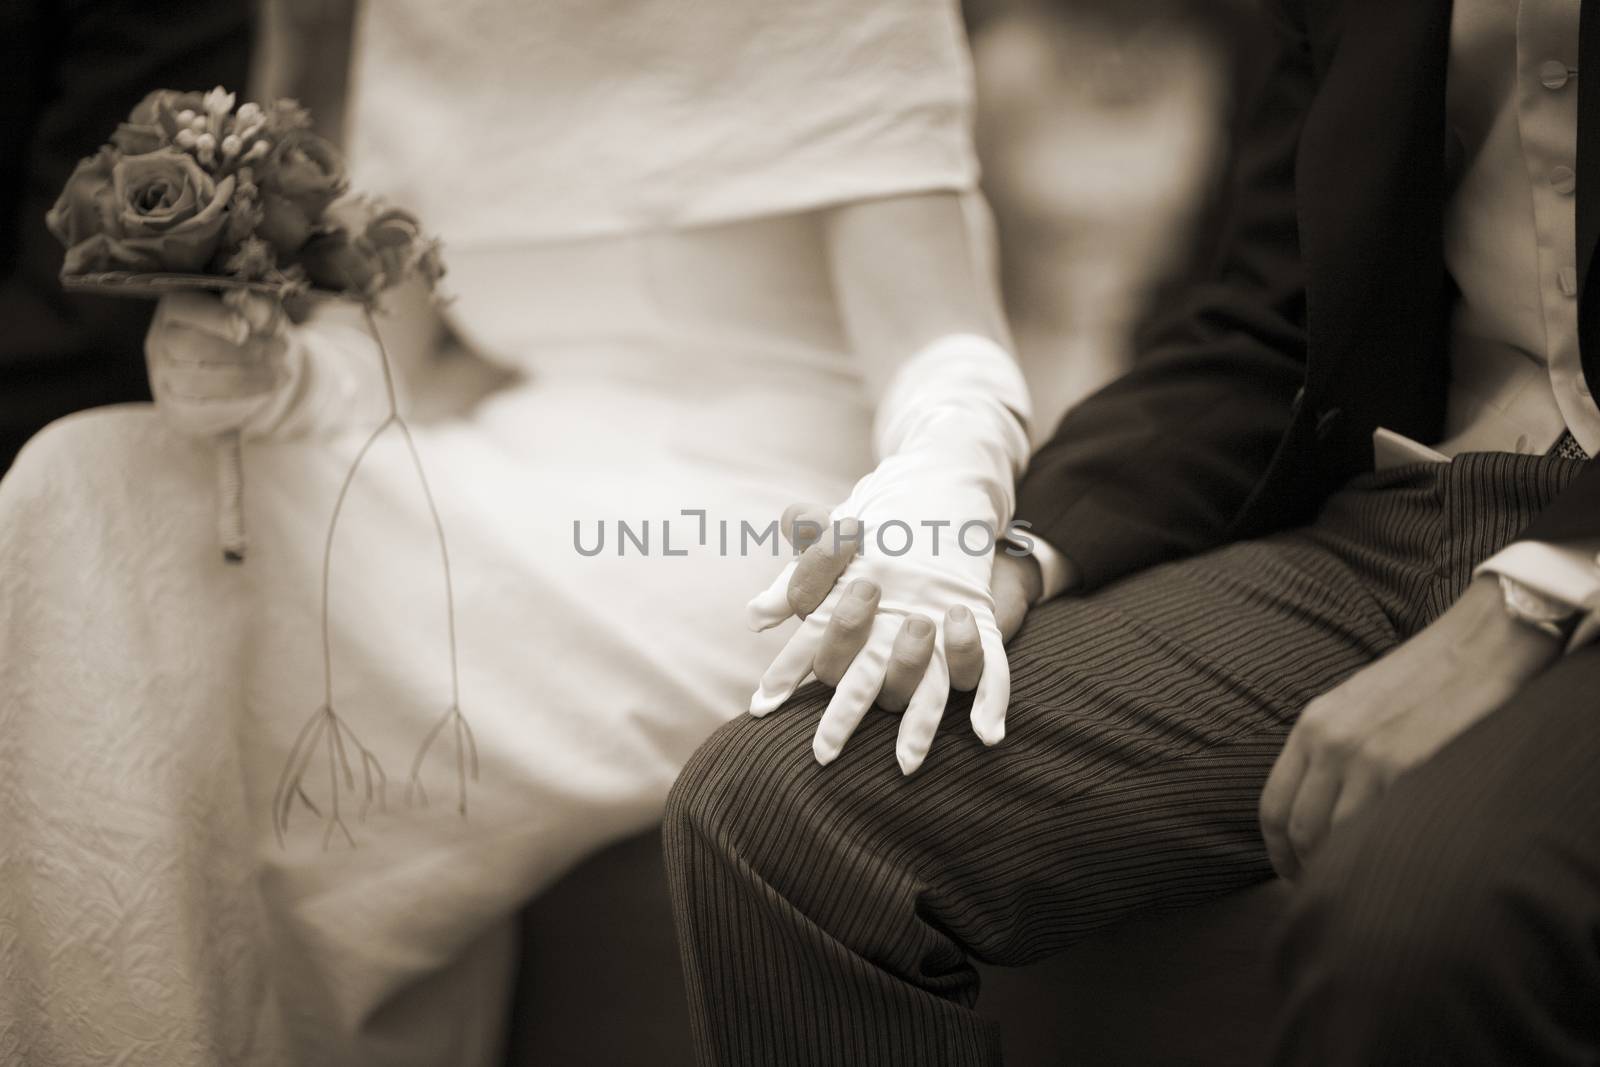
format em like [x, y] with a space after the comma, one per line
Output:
[1323, 314]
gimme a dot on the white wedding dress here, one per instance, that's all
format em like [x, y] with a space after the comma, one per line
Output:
[621, 187]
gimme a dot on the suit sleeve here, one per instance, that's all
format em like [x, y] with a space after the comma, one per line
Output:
[1158, 464]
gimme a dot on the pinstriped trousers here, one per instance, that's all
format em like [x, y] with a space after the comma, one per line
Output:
[828, 915]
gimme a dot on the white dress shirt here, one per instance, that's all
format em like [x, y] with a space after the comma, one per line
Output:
[1510, 230]
[1510, 243]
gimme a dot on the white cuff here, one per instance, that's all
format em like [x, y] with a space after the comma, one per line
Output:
[1568, 573]
[1053, 569]
[963, 372]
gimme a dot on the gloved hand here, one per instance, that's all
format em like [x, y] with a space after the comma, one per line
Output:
[926, 522]
[236, 364]
[220, 365]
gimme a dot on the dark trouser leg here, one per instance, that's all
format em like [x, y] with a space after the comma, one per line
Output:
[1458, 922]
[827, 914]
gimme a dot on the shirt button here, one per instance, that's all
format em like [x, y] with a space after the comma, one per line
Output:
[1553, 74]
[1567, 278]
[1563, 180]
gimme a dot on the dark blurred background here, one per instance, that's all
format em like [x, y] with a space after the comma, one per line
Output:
[73, 69]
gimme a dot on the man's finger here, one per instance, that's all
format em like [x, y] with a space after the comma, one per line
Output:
[908, 662]
[856, 692]
[819, 567]
[963, 648]
[922, 716]
[789, 669]
[1361, 788]
[848, 628]
[1312, 811]
[1009, 584]
[993, 697]
[1277, 797]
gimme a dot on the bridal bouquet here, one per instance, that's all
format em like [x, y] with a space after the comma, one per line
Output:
[193, 193]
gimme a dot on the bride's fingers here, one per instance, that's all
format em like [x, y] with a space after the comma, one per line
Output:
[788, 670]
[923, 715]
[200, 313]
[994, 688]
[856, 692]
[771, 606]
[847, 631]
[908, 662]
[819, 567]
[963, 648]
[260, 313]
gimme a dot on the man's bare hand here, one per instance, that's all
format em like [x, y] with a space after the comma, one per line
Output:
[1352, 742]
[1017, 585]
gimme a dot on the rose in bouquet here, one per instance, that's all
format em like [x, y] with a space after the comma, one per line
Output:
[192, 186]
[152, 212]
[193, 192]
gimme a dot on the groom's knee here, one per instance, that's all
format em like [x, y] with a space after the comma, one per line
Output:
[754, 805]
[748, 778]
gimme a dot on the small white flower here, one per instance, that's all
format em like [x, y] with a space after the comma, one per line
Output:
[186, 117]
[250, 114]
[219, 101]
[230, 146]
[186, 138]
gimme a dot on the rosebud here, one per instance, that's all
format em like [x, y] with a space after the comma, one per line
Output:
[298, 179]
[153, 122]
[219, 101]
[336, 262]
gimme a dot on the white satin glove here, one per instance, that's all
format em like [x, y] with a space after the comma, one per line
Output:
[951, 435]
[235, 364]
[218, 365]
